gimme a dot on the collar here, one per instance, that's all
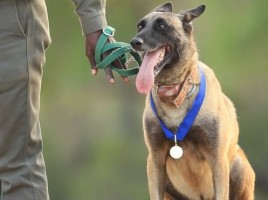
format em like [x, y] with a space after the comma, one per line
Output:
[191, 115]
[177, 93]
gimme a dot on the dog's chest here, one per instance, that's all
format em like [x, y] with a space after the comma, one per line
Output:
[204, 129]
[191, 175]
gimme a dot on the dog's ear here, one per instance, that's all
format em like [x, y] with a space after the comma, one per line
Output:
[187, 16]
[167, 7]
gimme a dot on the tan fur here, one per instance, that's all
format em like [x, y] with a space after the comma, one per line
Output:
[213, 166]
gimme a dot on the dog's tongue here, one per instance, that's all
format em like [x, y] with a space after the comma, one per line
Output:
[145, 77]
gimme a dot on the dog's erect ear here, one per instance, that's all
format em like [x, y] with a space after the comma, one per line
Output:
[187, 16]
[167, 7]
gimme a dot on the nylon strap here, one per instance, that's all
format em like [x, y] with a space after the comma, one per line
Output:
[118, 50]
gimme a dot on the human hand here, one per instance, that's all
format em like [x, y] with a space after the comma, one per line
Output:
[91, 43]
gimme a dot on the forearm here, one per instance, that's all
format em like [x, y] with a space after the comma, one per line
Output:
[91, 14]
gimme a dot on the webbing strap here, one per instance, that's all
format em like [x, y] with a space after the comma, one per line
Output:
[118, 50]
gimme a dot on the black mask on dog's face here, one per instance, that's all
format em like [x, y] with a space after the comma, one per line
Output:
[162, 36]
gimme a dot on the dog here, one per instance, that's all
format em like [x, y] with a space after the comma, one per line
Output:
[206, 163]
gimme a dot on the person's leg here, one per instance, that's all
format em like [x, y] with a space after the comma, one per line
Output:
[24, 36]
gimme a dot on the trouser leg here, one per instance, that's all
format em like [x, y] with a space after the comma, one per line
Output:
[24, 36]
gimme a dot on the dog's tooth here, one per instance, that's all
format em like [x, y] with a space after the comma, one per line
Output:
[162, 53]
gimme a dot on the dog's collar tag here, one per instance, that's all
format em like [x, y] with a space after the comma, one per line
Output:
[188, 120]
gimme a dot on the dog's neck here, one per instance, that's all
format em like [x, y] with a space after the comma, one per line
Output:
[177, 93]
[178, 79]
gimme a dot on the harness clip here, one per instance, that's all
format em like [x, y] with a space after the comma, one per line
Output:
[108, 31]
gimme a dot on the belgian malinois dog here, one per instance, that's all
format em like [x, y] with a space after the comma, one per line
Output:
[204, 162]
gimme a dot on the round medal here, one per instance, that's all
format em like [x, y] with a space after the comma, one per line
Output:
[176, 152]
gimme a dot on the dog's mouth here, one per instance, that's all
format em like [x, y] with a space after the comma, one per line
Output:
[152, 64]
[162, 59]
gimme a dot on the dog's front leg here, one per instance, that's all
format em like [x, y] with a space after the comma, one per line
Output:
[220, 171]
[156, 172]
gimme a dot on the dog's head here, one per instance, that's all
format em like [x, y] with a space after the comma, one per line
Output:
[163, 37]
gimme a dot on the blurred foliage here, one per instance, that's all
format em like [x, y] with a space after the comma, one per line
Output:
[92, 131]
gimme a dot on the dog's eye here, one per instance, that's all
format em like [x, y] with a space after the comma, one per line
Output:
[140, 27]
[162, 26]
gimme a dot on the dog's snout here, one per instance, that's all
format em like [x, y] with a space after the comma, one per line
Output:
[136, 43]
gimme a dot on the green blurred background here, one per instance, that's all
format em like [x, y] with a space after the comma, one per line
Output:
[92, 131]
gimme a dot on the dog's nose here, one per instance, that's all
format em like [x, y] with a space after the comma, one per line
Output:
[136, 43]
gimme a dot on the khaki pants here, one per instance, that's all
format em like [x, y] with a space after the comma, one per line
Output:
[24, 36]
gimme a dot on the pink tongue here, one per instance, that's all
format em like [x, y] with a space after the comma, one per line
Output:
[145, 77]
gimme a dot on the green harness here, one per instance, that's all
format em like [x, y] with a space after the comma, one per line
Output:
[119, 50]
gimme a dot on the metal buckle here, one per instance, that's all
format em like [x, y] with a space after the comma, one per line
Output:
[191, 91]
[108, 31]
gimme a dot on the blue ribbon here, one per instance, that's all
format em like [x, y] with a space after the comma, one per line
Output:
[188, 120]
